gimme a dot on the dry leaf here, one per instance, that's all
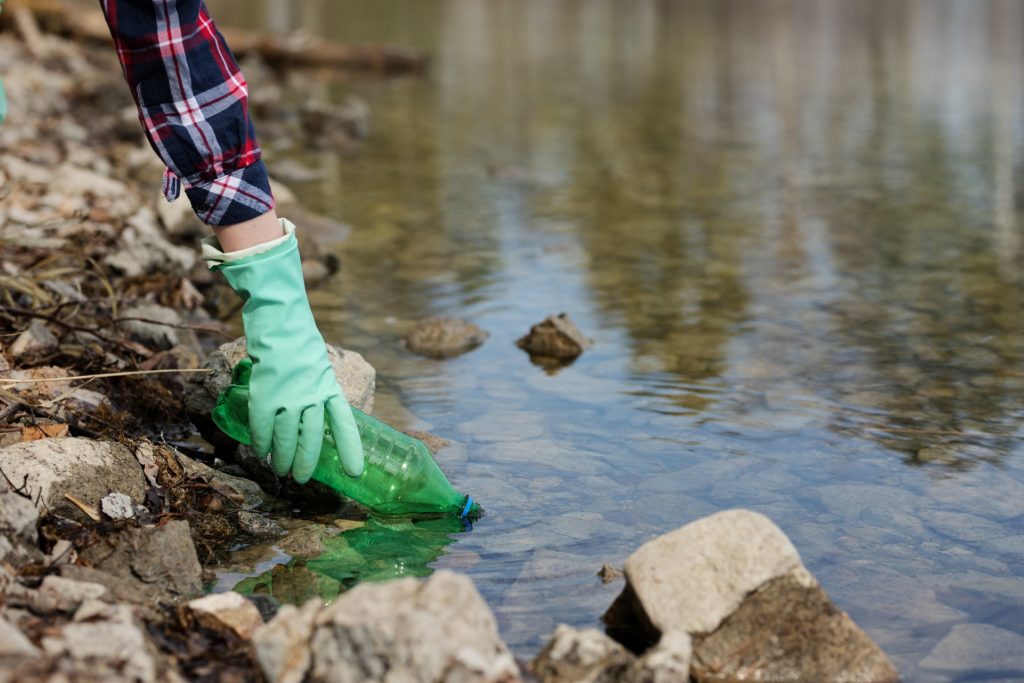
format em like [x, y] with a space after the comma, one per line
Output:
[44, 431]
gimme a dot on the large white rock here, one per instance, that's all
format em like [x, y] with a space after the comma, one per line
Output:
[691, 579]
[407, 630]
[727, 598]
[48, 468]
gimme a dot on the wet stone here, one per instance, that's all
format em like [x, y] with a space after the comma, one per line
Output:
[260, 526]
[444, 337]
[556, 338]
[608, 573]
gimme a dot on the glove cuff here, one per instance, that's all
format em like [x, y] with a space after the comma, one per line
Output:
[214, 257]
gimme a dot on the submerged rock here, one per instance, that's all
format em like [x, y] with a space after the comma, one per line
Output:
[555, 339]
[47, 469]
[444, 337]
[435, 630]
[973, 648]
[734, 583]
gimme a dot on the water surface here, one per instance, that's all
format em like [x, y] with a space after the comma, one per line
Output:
[793, 230]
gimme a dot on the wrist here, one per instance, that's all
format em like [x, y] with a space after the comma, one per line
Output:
[254, 232]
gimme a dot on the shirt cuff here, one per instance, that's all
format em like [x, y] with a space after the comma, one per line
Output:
[232, 198]
[215, 257]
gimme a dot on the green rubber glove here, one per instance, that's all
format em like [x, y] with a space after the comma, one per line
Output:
[292, 385]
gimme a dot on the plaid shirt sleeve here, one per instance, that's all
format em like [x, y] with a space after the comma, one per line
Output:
[193, 104]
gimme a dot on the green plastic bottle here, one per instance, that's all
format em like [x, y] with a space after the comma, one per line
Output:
[400, 479]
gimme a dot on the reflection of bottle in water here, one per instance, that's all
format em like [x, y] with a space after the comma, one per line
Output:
[380, 550]
[400, 477]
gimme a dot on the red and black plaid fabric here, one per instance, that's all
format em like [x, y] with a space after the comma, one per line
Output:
[193, 104]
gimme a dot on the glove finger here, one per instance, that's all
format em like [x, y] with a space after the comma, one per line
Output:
[261, 428]
[286, 436]
[346, 435]
[311, 437]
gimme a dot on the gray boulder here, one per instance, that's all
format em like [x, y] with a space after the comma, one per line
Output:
[735, 585]
[435, 630]
[157, 562]
[47, 469]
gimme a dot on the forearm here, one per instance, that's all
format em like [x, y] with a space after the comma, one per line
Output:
[193, 104]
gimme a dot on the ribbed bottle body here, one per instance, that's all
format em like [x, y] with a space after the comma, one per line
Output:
[401, 477]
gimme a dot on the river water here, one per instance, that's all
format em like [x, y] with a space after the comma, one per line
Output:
[793, 230]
